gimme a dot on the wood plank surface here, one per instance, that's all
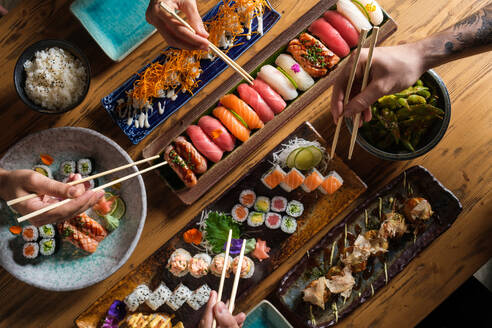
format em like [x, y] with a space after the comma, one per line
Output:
[461, 161]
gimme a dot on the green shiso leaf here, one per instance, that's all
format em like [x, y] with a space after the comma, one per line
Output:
[217, 230]
[111, 222]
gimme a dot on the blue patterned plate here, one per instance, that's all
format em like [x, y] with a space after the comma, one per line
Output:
[69, 268]
[210, 70]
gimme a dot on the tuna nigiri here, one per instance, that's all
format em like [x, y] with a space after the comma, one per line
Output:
[253, 98]
[232, 123]
[217, 132]
[331, 183]
[271, 97]
[232, 102]
[346, 29]
[203, 143]
[70, 233]
[330, 37]
[278, 81]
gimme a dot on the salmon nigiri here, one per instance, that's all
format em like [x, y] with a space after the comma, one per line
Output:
[331, 183]
[292, 180]
[77, 238]
[232, 123]
[242, 109]
[89, 227]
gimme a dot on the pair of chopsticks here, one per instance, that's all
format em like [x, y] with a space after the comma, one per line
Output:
[102, 187]
[365, 78]
[236, 277]
[212, 46]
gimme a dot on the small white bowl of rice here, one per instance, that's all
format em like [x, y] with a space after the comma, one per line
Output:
[52, 76]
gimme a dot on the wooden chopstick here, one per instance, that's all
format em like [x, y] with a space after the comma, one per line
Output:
[236, 277]
[102, 187]
[355, 127]
[212, 46]
[92, 177]
[353, 70]
[223, 274]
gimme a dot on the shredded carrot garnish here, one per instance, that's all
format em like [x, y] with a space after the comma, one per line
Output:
[15, 230]
[46, 159]
[193, 236]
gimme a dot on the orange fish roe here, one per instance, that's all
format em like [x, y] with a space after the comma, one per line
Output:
[15, 230]
[193, 236]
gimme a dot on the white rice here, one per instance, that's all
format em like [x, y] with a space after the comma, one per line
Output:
[55, 79]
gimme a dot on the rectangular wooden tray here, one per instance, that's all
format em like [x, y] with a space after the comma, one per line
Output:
[238, 155]
[319, 210]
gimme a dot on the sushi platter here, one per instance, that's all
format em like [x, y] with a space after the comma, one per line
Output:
[410, 212]
[281, 219]
[224, 129]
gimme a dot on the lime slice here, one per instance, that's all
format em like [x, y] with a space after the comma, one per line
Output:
[119, 209]
[292, 157]
[362, 8]
[317, 155]
[304, 159]
[287, 76]
[239, 118]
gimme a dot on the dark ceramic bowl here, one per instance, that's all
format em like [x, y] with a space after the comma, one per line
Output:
[433, 136]
[28, 54]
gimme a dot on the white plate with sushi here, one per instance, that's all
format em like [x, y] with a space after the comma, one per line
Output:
[48, 257]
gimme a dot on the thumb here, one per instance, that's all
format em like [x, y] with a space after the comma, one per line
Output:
[364, 100]
[191, 12]
[43, 185]
[224, 317]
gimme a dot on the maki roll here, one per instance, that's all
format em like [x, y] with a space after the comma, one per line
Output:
[293, 180]
[30, 250]
[47, 231]
[262, 204]
[256, 219]
[289, 224]
[199, 297]
[47, 246]
[84, 166]
[30, 233]
[131, 302]
[274, 177]
[240, 213]
[218, 264]
[273, 220]
[247, 198]
[178, 262]
[332, 183]
[278, 204]
[66, 168]
[247, 267]
[44, 170]
[312, 181]
[180, 295]
[199, 265]
[142, 292]
[158, 297]
[90, 184]
[295, 208]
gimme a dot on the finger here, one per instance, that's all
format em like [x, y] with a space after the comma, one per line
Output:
[223, 316]
[337, 101]
[191, 12]
[168, 33]
[208, 316]
[240, 318]
[367, 115]
[364, 100]
[40, 184]
[183, 34]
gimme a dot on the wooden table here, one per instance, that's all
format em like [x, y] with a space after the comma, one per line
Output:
[461, 161]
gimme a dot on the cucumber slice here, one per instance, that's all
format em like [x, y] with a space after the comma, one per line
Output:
[317, 155]
[239, 118]
[304, 160]
[292, 157]
[119, 209]
[287, 76]
[362, 8]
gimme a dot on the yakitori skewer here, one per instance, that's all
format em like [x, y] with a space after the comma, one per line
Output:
[224, 271]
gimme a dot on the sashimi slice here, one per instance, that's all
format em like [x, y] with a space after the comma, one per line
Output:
[203, 143]
[330, 37]
[232, 123]
[253, 98]
[271, 97]
[232, 102]
[217, 132]
[346, 29]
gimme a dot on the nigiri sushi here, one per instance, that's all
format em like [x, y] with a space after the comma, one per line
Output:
[293, 180]
[232, 123]
[271, 97]
[253, 98]
[274, 177]
[303, 80]
[217, 132]
[203, 143]
[346, 29]
[242, 109]
[278, 82]
[353, 14]
[330, 37]
[89, 227]
[312, 181]
[372, 8]
[77, 238]
[332, 183]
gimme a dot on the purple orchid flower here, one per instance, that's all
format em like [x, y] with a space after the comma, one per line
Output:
[116, 313]
[235, 246]
[296, 68]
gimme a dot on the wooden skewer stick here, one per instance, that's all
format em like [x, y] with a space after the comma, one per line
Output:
[109, 184]
[356, 122]
[212, 46]
[92, 177]
[223, 274]
[353, 70]
[236, 277]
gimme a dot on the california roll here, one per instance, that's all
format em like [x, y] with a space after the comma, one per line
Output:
[180, 295]
[178, 262]
[158, 297]
[218, 264]
[256, 219]
[247, 267]
[199, 297]
[199, 265]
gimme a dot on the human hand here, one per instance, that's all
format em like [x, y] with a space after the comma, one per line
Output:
[18, 183]
[392, 70]
[175, 34]
[221, 313]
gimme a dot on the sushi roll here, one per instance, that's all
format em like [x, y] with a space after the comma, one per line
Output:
[199, 297]
[199, 265]
[47, 231]
[47, 246]
[158, 297]
[262, 204]
[289, 224]
[218, 264]
[303, 80]
[278, 204]
[331, 183]
[247, 198]
[131, 302]
[273, 220]
[240, 213]
[91, 184]
[44, 170]
[295, 208]
[142, 293]
[30, 233]
[293, 180]
[274, 177]
[313, 181]
[278, 81]
[30, 250]
[256, 219]
[178, 262]
[247, 267]
[85, 166]
[180, 295]
[353, 14]
[66, 168]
